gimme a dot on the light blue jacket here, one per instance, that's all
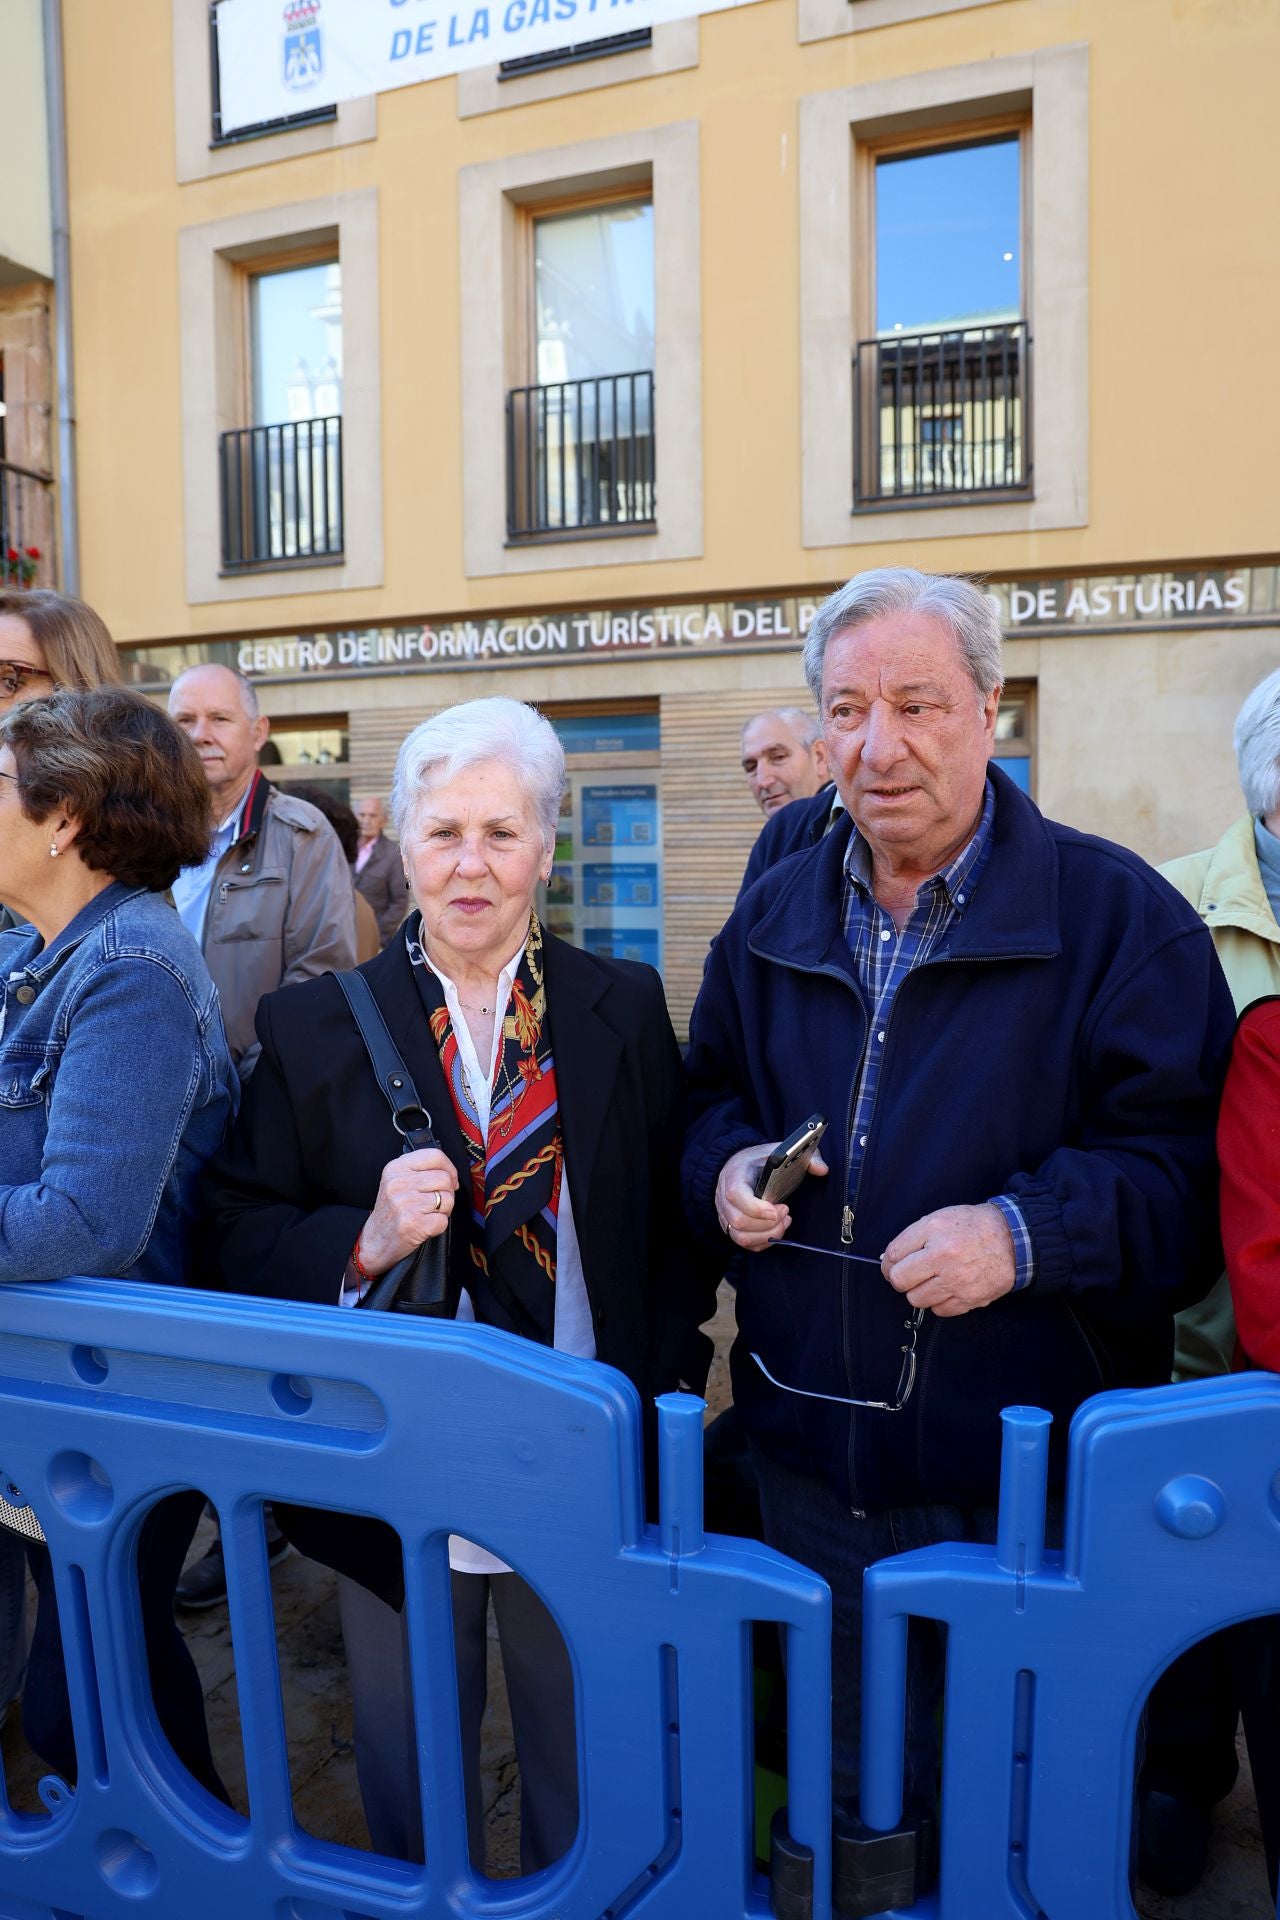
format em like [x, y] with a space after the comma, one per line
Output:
[115, 1087]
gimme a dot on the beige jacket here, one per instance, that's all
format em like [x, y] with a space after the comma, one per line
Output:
[281, 909]
[1225, 887]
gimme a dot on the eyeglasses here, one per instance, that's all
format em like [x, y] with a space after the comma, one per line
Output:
[910, 1326]
[14, 675]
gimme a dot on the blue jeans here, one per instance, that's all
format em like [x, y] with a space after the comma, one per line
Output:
[13, 1624]
[804, 1519]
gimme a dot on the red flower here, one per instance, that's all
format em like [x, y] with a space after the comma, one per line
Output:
[13, 556]
[33, 553]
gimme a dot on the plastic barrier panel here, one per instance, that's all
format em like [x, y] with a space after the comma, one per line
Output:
[1172, 1531]
[433, 1428]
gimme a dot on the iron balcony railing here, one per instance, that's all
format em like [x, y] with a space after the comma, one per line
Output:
[942, 414]
[281, 490]
[26, 526]
[580, 455]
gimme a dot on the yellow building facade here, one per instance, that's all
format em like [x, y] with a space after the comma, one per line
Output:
[1096, 440]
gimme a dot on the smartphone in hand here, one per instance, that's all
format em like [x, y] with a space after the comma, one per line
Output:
[788, 1164]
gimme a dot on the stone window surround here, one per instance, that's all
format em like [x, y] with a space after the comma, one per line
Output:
[1053, 85]
[195, 158]
[210, 257]
[491, 198]
[825, 19]
[673, 49]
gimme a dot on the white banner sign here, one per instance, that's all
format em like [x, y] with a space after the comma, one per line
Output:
[279, 57]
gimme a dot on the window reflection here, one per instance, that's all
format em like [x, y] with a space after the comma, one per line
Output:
[593, 292]
[948, 244]
[296, 329]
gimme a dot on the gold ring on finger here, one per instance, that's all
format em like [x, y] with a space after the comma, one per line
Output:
[439, 1201]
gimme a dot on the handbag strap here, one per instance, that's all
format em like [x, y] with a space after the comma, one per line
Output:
[419, 1283]
[410, 1118]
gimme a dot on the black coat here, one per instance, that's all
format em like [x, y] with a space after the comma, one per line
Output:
[294, 1184]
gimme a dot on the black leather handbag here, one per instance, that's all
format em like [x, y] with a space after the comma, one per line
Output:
[420, 1282]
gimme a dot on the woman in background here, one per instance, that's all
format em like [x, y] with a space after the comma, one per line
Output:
[47, 641]
[102, 989]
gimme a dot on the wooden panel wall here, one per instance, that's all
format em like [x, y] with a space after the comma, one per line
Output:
[374, 739]
[709, 823]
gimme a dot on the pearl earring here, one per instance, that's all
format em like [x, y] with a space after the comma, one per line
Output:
[54, 850]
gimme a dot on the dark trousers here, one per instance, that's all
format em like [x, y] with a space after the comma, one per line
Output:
[539, 1680]
[175, 1685]
[804, 1519]
[1191, 1725]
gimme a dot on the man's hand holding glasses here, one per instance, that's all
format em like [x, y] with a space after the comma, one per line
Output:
[953, 1260]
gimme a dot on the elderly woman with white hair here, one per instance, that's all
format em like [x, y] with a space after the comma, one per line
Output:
[508, 1033]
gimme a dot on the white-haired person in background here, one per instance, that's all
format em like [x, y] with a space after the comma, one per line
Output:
[508, 1034]
[1190, 1759]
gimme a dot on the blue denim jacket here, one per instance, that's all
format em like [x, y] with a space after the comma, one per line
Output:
[115, 1087]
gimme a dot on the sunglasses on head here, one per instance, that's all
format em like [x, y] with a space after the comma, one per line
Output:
[14, 675]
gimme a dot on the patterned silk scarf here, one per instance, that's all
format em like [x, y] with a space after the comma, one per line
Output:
[517, 1169]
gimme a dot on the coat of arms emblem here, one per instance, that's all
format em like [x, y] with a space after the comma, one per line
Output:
[303, 44]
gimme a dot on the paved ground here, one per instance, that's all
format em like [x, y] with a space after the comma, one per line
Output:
[318, 1713]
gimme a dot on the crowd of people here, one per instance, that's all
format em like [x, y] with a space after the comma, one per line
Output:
[1018, 1036]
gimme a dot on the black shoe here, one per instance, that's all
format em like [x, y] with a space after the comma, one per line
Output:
[204, 1584]
[277, 1546]
[1173, 1842]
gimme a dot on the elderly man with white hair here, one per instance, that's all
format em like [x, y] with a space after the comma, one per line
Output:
[557, 1093]
[1017, 1036]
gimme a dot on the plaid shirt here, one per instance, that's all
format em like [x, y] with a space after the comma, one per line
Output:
[884, 957]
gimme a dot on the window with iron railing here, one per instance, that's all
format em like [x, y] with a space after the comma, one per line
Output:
[281, 477]
[937, 415]
[580, 437]
[942, 392]
[281, 491]
[580, 455]
[26, 526]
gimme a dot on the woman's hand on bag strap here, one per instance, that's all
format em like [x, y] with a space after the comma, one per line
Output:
[415, 1199]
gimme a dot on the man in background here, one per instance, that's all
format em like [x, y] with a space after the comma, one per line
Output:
[378, 868]
[272, 903]
[784, 758]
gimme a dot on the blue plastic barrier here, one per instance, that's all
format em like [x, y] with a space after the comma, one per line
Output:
[1172, 1530]
[433, 1428]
